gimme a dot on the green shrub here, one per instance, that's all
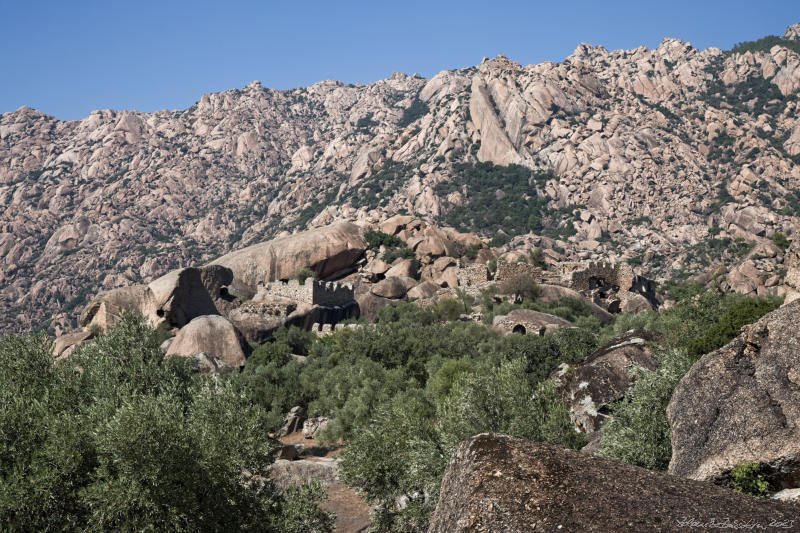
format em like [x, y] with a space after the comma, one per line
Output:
[780, 240]
[299, 340]
[729, 324]
[417, 109]
[116, 438]
[449, 308]
[376, 239]
[537, 258]
[703, 321]
[501, 239]
[278, 353]
[303, 274]
[442, 380]
[521, 288]
[397, 454]
[764, 44]
[404, 449]
[521, 208]
[638, 430]
[507, 399]
[391, 255]
[746, 479]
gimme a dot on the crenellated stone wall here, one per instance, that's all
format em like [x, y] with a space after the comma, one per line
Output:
[331, 293]
[326, 329]
[313, 292]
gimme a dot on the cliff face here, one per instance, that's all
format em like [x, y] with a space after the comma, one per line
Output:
[656, 147]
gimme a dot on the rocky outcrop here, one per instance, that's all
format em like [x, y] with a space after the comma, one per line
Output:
[741, 404]
[552, 293]
[180, 297]
[65, 345]
[792, 263]
[218, 282]
[212, 335]
[325, 251]
[393, 287]
[295, 419]
[500, 483]
[666, 148]
[312, 425]
[105, 309]
[604, 377]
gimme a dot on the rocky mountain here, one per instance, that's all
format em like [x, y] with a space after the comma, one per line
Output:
[669, 158]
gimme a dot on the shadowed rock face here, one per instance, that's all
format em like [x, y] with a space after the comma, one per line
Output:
[180, 297]
[497, 483]
[741, 403]
[324, 250]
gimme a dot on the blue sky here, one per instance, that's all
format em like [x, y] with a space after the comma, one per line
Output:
[67, 58]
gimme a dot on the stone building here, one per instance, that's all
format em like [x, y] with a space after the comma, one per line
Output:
[312, 292]
[506, 270]
[472, 274]
[615, 285]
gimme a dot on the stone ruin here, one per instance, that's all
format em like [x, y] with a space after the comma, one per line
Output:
[611, 284]
[472, 274]
[312, 292]
[506, 270]
[614, 286]
[265, 309]
[325, 329]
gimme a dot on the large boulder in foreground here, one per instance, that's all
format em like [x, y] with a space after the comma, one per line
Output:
[741, 403]
[500, 483]
[325, 251]
[212, 335]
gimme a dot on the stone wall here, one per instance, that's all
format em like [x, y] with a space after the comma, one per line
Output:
[332, 294]
[607, 278]
[265, 309]
[289, 289]
[326, 329]
[472, 275]
[314, 292]
[602, 274]
[507, 270]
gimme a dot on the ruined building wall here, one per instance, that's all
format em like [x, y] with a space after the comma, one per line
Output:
[314, 292]
[507, 270]
[619, 276]
[291, 289]
[332, 294]
[472, 275]
[606, 274]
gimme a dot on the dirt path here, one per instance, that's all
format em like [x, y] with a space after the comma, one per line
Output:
[352, 512]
